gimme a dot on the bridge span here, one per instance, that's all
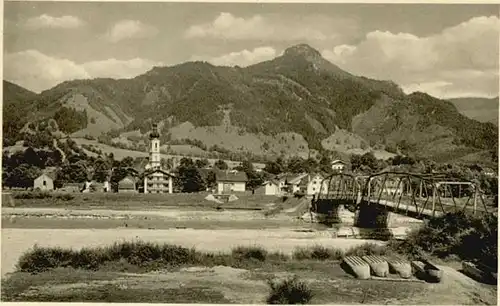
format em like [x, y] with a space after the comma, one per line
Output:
[373, 197]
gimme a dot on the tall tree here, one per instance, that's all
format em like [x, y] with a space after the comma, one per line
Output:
[274, 167]
[101, 171]
[201, 163]
[186, 162]
[296, 165]
[220, 164]
[211, 180]
[189, 179]
[23, 176]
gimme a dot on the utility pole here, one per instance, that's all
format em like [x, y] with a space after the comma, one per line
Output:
[434, 190]
[475, 200]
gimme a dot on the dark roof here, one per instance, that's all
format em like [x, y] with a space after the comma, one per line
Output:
[338, 161]
[51, 175]
[227, 176]
[295, 178]
[273, 181]
[152, 170]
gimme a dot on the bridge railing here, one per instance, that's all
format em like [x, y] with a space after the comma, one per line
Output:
[422, 193]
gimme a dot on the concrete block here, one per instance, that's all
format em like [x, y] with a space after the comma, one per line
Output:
[401, 267]
[378, 265]
[473, 271]
[479, 272]
[358, 266]
[426, 270]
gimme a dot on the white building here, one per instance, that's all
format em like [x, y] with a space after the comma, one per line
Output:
[156, 179]
[338, 165]
[393, 187]
[231, 181]
[271, 187]
[44, 182]
[316, 184]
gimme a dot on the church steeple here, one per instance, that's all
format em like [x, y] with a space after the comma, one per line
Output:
[154, 150]
[154, 132]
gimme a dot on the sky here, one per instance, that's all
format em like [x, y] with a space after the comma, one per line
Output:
[445, 50]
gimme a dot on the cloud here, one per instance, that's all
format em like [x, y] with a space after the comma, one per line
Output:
[113, 68]
[130, 29]
[273, 27]
[460, 60]
[37, 71]
[47, 21]
[241, 58]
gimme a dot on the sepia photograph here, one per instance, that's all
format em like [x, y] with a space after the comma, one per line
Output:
[250, 153]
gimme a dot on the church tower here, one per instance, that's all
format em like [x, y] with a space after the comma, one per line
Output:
[154, 150]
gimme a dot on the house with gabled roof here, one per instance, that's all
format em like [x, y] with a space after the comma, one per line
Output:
[230, 181]
[270, 187]
[157, 180]
[338, 165]
[45, 181]
[313, 184]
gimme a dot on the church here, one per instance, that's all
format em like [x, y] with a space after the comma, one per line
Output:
[156, 179]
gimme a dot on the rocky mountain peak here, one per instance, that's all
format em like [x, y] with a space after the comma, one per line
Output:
[302, 50]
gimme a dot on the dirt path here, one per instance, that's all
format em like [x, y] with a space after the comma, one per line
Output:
[17, 241]
[166, 213]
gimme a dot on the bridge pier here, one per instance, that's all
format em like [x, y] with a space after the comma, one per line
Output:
[372, 216]
[328, 211]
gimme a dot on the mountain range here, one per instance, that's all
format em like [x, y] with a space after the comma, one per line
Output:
[294, 104]
[480, 109]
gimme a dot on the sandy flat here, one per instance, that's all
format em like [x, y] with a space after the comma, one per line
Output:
[166, 213]
[17, 241]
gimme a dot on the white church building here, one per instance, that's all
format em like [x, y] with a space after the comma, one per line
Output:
[156, 179]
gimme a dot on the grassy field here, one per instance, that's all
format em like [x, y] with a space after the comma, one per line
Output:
[144, 272]
[141, 201]
[122, 153]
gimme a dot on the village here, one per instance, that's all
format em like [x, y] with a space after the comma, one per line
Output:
[152, 177]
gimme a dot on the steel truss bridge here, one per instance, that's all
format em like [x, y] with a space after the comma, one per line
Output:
[417, 195]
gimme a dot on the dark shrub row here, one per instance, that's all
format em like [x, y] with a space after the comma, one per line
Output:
[43, 195]
[146, 254]
[137, 253]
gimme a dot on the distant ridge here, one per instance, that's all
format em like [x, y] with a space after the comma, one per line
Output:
[299, 93]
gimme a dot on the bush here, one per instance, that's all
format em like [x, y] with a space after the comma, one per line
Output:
[454, 234]
[136, 253]
[33, 195]
[279, 256]
[255, 252]
[317, 253]
[289, 291]
[367, 249]
[41, 259]
[89, 259]
[65, 197]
